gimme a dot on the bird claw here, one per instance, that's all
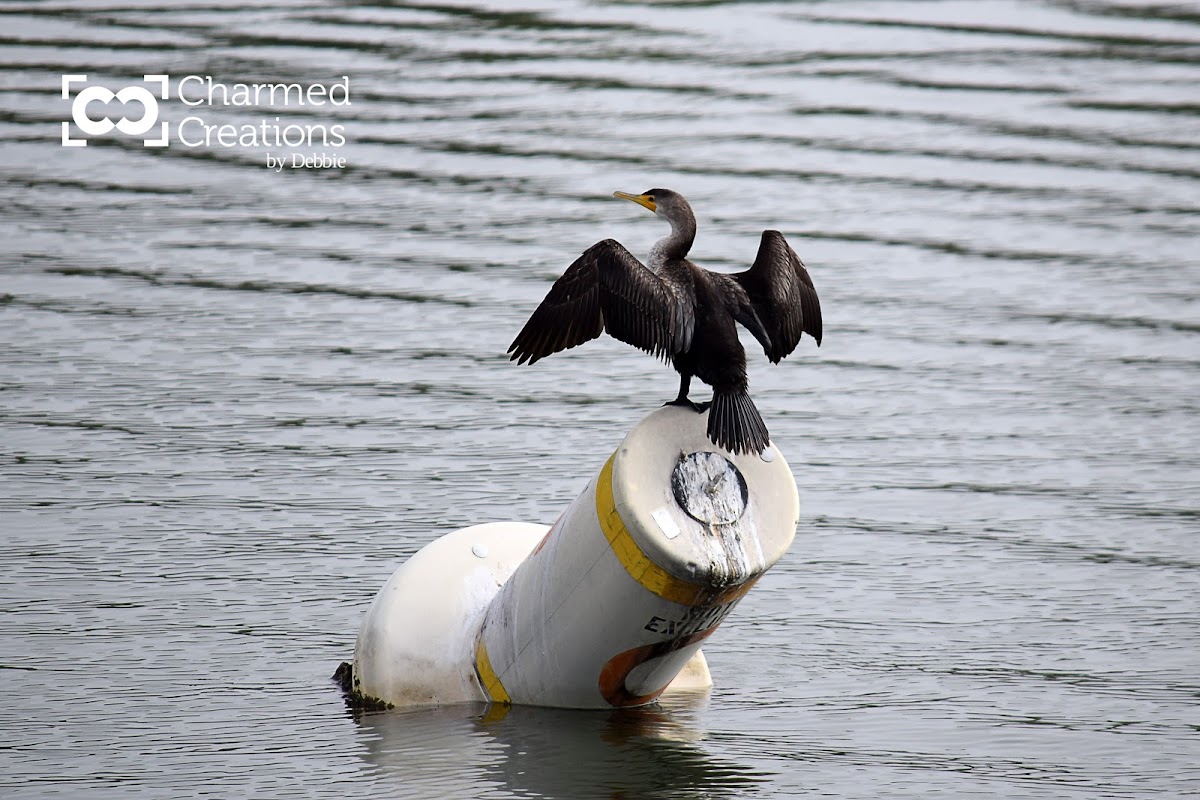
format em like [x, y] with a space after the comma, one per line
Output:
[699, 408]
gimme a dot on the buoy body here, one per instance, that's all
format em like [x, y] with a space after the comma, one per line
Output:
[608, 607]
[415, 644]
[638, 571]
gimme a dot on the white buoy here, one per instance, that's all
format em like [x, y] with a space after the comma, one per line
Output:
[415, 646]
[605, 608]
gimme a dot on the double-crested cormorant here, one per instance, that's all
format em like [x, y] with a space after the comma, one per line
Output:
[682, 313]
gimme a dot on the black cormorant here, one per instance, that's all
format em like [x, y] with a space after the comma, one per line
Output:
[682, 313]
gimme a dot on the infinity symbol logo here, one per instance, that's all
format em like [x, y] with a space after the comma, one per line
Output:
[130, 94]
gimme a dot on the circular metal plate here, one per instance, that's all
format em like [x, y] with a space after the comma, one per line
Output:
[709, 488]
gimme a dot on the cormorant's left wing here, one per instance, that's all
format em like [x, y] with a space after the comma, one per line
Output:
[606, 289]
[782, 294]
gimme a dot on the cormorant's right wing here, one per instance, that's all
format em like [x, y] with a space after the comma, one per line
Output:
[783, 295]
[606, 289]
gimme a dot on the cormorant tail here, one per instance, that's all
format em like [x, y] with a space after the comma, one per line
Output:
[734, 423]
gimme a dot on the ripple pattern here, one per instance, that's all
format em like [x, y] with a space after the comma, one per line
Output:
[233, 399]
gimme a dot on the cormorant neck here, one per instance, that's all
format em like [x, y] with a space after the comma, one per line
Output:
[677, 243]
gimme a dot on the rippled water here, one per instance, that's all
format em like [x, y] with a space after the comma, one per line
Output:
[233, 400]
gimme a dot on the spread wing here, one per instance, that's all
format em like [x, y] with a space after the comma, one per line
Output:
[606, 289]
[783, 295]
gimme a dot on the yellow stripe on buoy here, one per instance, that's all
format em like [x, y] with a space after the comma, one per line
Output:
[487, 676]
[640, 566]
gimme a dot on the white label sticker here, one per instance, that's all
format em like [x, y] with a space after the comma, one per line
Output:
[666, 523]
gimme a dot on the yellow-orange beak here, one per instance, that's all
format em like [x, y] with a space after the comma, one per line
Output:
[640, 199]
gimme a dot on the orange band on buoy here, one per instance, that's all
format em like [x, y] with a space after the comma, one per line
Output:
[640, 567]
[616, 669]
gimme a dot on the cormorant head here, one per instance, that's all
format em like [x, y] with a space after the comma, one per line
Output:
[663, 202]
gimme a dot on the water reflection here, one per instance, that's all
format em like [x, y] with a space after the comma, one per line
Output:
[465, 751]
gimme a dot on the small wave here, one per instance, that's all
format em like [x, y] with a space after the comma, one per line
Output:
[160, 278]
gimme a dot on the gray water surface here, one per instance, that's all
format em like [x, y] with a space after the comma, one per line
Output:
[233, 400]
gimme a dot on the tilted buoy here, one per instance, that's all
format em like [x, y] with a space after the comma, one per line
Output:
[604, 609]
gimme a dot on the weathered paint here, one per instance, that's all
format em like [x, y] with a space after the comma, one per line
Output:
[614, 602]
[606, 608]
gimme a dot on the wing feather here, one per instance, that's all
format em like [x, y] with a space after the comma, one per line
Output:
[783, 296]
[606, 289]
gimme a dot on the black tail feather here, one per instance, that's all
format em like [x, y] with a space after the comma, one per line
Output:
[734, 423]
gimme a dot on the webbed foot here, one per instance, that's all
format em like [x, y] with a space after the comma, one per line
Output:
[685, 403]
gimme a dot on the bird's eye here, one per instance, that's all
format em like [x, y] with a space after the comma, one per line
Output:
[650, 197]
